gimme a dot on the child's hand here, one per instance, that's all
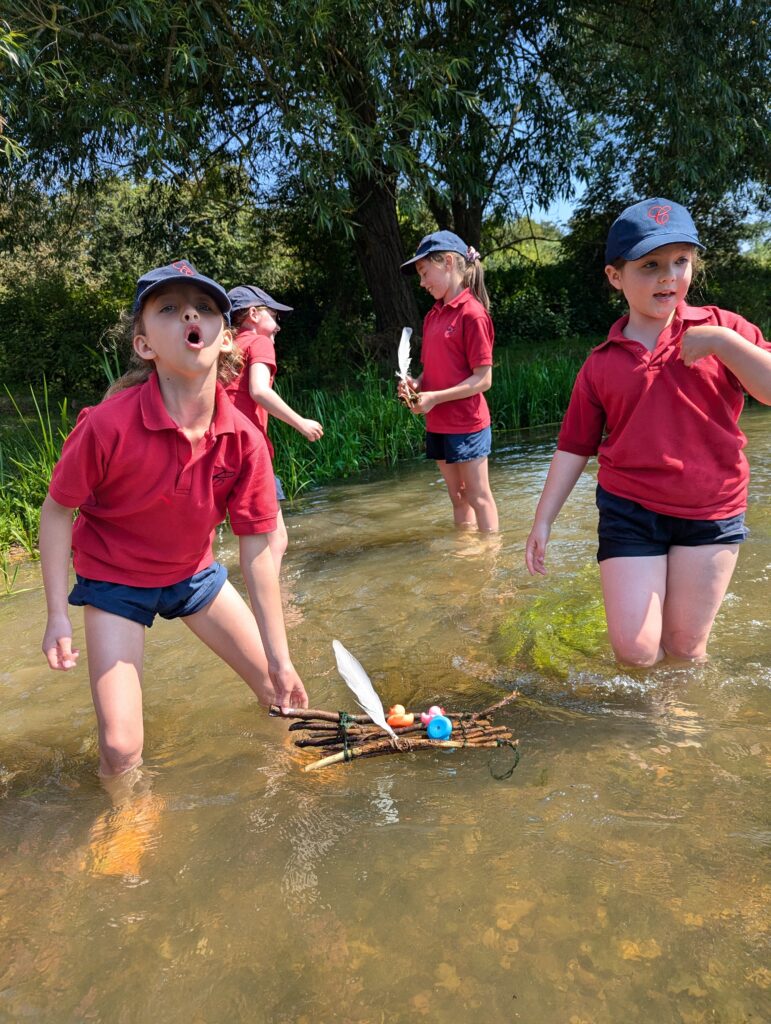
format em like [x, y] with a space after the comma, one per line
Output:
[57, 644]
[311, 430]
[406, 390]
[698, 342]
[427, 402]
[535, 549]
[288, 689]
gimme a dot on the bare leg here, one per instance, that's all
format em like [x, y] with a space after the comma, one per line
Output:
[697, 579]
[115, 652]
[229, 628]
[277, 541]
[476, 490]
[462, 512]
[634, 590]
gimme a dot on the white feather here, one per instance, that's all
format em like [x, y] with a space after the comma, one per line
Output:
[403, 354]
[363, 690]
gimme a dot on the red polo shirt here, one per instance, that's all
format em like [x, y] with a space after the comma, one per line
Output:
[457, 336]
[254, 348]
[666, 434]
[149, 503]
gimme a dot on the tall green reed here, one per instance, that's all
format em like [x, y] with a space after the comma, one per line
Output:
[364, 426]
[27, 458]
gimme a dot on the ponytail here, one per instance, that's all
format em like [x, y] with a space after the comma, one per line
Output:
[474, 276]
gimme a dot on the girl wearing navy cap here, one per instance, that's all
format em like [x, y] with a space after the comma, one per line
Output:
[152, 470]
[255, 315]
[457, 358]
[658, 402]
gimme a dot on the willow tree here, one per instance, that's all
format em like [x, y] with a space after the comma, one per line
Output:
[469, 106]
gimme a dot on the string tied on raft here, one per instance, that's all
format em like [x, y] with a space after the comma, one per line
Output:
[346, 721]
[510, 770]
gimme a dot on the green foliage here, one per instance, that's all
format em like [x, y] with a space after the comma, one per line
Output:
[56, 342]
[28, 455]
[534, 390]
[679, 91]
[364, 426]
[558, 632]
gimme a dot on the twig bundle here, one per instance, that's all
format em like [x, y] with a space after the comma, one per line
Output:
[343, 737]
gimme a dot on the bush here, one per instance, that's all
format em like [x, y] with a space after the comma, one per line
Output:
[51, 332]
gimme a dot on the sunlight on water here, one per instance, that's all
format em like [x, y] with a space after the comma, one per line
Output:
[620, 875]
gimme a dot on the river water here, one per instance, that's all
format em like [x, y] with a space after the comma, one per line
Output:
[621, 874]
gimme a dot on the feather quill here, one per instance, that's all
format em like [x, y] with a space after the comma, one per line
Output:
[363, 690]
[403, 354]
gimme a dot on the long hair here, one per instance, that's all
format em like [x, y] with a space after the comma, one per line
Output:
[121, 336]
[472, 272]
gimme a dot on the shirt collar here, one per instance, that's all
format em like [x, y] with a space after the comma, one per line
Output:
[155, 415]
[244, 330]
[460, 300]
[683, 313]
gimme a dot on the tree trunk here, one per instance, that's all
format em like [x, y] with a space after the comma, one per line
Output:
[380, 252]
[467, 218]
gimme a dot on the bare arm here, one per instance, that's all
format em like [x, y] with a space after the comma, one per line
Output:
[564, 471]
[749, 363]
[479, 381]
[259, 572]
[263, 394]
[55, 545]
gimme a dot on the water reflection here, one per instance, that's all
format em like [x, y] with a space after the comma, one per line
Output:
[621, 874]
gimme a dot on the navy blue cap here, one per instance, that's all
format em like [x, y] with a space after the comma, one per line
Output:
[180, 270]
[645, 226]
[247, 295]
[439, 241]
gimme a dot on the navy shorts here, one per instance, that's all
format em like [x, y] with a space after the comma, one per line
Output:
[627, 529]
[142, 604]
[459, 447]
[280, 496]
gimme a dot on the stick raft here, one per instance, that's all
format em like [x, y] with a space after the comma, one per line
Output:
[341, 737]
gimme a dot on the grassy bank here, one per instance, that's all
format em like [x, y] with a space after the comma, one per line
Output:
[364, 426]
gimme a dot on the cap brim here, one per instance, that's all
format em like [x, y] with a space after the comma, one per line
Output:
[409, 267]
[277, 307]
[219, 296]
[656, 242]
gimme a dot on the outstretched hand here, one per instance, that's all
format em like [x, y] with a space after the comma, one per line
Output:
[288, 689]
[311, 430]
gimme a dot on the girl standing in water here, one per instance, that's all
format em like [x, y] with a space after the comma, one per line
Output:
[658, 402]
[152, 470]
[457, 358]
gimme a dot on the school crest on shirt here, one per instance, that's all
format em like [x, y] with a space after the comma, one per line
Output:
[221, 474]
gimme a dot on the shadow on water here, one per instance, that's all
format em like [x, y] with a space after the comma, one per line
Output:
[620, 874]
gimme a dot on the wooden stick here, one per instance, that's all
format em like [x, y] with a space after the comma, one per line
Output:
[426, 744]
[309, 713]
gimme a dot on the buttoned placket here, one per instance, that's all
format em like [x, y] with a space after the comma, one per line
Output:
[187, 459]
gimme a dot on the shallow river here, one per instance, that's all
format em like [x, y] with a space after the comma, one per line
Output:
[621, 874]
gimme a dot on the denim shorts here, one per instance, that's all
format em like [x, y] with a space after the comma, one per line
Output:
[142, 604]
[627, 529]
[280, 496]
[459, 447]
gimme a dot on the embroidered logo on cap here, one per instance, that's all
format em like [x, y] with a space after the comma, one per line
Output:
[184, 268]
[659, 213]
